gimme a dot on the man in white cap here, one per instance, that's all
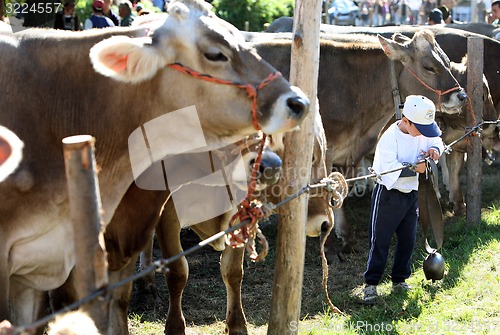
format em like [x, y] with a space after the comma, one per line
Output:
[394, 200]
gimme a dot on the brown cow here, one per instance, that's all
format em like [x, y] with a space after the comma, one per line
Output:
[285, 24]
[454, 126]
[123, 85]
[132, 227]
[350, 57]
[353, 114]
[452, 41]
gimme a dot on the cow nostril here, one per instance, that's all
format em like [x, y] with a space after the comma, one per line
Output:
[462, 96]
[325, 226]
[298, 105]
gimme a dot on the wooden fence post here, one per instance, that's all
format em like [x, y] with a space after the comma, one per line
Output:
[91, 267]
[475, 51]
[297, 161]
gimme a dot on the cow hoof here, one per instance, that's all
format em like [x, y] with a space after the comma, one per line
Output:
[459, 210]
[237, 332]
[177, 330]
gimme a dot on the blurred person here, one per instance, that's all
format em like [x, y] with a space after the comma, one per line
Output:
[425, 11]
[126, 15]
[395, 11]
[66, 19]
[378, 9]
[109, 13]
[97, 19]
[481, 11]
[365, 13]
[414, 6]
[435, 17]
[494, 17]
[404, 12]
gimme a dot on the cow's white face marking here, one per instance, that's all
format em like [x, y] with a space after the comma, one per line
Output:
[281, 111]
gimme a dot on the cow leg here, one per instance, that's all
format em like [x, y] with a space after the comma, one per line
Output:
[343, 230]
[4, 280]
[120, 299]
[27, 304]
[168, 235]
[444, 171]
[455, 161]
[146, 288]
[231, 266]
[64, 295]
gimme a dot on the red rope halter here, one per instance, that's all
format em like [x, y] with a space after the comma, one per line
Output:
[438, 92]
[251, 90]
[441, 93]
[245, 210]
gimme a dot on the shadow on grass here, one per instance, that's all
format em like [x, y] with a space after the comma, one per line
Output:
[205, 297]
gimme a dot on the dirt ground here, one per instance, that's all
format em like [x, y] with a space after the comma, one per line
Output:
[205, 298]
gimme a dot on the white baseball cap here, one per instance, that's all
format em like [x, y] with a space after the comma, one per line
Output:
[422, 111]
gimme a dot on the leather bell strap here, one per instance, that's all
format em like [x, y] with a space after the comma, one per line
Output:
[429, 206]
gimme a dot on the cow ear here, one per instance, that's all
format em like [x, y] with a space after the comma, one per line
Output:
[392, 49]
[126, 59]
[11, 152]
[178, 11]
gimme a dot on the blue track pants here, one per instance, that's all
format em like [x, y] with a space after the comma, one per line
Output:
[391, 212]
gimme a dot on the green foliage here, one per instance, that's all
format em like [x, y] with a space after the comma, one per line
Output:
[255, 12]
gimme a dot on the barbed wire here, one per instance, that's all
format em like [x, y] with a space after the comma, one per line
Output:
[329, 184]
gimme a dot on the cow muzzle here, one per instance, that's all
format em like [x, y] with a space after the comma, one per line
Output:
[269, 170]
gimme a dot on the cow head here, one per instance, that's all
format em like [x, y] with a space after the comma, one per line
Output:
[429, 66]
[489, 134]
[11, 148]
[194, 37]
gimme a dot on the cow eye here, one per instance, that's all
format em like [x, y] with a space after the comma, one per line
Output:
[430, 69]
[215, 57]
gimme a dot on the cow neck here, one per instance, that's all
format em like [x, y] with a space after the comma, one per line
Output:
[251, 90]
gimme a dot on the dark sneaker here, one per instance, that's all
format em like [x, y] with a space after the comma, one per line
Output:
[370, 293]
[400, 287]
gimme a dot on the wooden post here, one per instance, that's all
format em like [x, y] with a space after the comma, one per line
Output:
[91, 268]
[297, 161]
[474, 152]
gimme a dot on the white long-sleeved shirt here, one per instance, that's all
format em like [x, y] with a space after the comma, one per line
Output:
[395, 148]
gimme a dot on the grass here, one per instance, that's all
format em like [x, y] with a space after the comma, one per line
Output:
[466, 301]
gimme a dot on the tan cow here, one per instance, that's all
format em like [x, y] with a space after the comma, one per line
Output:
[125, 83]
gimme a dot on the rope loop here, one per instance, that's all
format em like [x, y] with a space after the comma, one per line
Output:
[336, 189]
